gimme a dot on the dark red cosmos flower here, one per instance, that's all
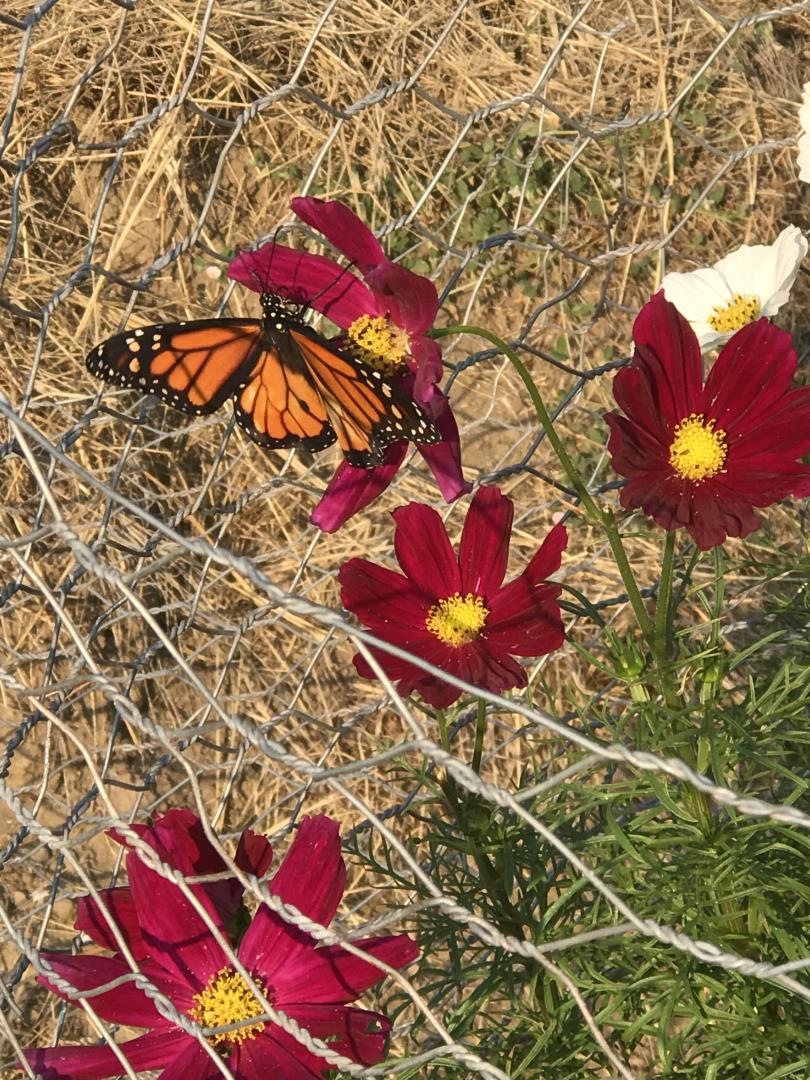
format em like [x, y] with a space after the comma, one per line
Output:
[701, 455]
[455, 612]
[178, 838]
[384, 317]
[182, 958]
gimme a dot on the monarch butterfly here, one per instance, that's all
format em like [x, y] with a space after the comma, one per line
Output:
[290, 387]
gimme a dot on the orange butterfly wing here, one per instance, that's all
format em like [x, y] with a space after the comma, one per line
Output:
[289, 386]
[192, 366]
[279, 405]
[304, 390]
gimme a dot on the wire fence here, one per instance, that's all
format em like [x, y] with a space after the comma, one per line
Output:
[171, 628]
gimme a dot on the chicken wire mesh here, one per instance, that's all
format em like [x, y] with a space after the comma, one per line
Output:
[171, 628]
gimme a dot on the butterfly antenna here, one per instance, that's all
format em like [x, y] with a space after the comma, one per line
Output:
[332, 284]
[264, 285]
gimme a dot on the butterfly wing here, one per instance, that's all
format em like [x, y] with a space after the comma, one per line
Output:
[280, 405]
[367, 411]
[193, 366]
[290, 386]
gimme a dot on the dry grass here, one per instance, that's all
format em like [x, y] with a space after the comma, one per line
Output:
[101, 70]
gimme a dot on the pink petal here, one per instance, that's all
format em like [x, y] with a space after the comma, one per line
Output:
[125, 1004]
[444, 458]
[484, 548]
[174, 934]
[254, 854]
[424, 552]
[376, 594]
[363, 1035]
[192, 1063]
[485, 663]
[425, 363]
[332, 975]
[121, 907]
[424, 645]
[635, 392]
[351, 489]
[532, 626]
[179, 839]
[311, 877]
[150, 1051]
[524, 617]
[751, 375]
[275, 1055]
[440, 695]
[303, 278]
[343, 229]
[410, 299]
[667, 346]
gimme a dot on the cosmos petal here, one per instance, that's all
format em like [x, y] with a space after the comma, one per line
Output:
[125, 1003]
[151, 1051]
[343, 229]
[303, 278]
[424, 551]
[375, 593]
[362, 1035]
[351, 489]
[311, 878]
[484, 548]
[331, 975]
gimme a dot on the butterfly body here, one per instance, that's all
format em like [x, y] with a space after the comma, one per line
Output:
[289, 385]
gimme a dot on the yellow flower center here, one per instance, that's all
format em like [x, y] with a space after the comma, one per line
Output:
[379, 343]
[738, 312]
[457, 619]
[227, 999]
[698, 449]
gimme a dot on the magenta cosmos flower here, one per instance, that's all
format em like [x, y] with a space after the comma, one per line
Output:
[384, 317]
[182, 958]
[455, 611]
[698, 454]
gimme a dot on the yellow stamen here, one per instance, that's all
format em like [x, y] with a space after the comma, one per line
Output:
[738, 312]
[227, 999]
[379, 343]
[457, 619]
[698, 449]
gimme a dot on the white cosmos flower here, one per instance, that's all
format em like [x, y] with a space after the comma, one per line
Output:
[752, 281]
[804, 135]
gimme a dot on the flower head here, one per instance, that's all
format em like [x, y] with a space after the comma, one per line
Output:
[310, 984]
[804, 135]
[177, 838]
[701, 455]
[384, 317]
[454, 610]
[747, 283]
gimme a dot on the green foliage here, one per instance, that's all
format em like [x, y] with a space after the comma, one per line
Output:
[734, 881]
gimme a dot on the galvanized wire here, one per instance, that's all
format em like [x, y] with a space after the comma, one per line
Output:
[87, 745]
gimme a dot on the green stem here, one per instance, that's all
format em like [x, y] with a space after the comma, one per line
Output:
[449, 786]
[571, 472]
[480, 728]
[719, 594]
[663, 619]
[509, 920]
[605, 519]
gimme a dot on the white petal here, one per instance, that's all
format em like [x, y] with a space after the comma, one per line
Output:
[766, 271]
[696, 295]
[804, 152]
[788, 251]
